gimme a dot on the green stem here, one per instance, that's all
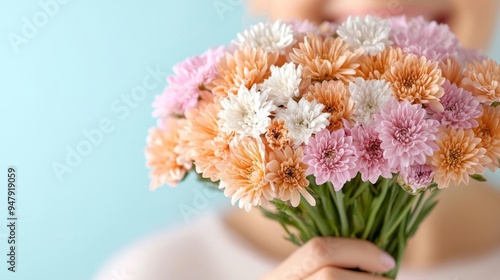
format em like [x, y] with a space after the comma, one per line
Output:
[316, 217]
[394, 224]
[338, 197]
[374, 209]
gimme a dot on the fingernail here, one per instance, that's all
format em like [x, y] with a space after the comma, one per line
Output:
[388, 261]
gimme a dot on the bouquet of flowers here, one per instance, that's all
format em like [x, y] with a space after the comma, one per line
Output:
[344, 130]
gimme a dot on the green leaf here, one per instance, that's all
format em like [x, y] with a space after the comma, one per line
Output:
[494, 104]
[478, 177]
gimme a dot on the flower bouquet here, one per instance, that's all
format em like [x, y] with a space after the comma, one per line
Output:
[344, 130]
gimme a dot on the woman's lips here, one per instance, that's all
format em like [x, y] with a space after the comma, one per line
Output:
[440, 16]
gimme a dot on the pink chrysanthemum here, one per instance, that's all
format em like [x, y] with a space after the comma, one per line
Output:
[370, 159]
[192, 77]
[416, 178]
[408, 137]
[331, 157]
[417, 36]
[460, 108]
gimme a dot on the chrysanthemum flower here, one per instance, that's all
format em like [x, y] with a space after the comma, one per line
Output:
[368, 97]
[277, 135]
[417, 80]
[408, 137]
[287, 174]
[458, 156]
[331, 157]
[483, 80]
[192, 77]
[452, 70]
[373, 67]
[284, 83]
[206, 144]
[466, 56]
[489, 132]
[161, 157]
[244, 175]
[247, 114]
[271, 37]
[370, 160]
[326, 59]
[460, 108]
[369, 34]
[416, 178]
[247, 67]
[335, 97]
[430, 39]
[302, 119]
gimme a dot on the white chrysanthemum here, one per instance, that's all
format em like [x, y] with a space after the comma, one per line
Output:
[269, 36]
[368, 97]
[302, 119]
[283, 84]
[247, 113]
[368, 34]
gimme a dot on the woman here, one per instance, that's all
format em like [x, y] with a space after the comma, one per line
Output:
[460, 239]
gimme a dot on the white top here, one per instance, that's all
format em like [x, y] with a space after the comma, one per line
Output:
[207, 249]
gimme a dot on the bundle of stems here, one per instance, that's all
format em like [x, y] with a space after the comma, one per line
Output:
[383, 213]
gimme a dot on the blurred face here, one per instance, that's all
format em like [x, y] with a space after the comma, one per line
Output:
[471, 20]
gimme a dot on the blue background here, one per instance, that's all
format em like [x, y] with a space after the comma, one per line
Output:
[74, 73]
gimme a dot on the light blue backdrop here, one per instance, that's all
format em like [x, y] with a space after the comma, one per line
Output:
[72, 81]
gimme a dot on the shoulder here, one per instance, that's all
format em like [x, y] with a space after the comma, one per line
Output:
[202, 249]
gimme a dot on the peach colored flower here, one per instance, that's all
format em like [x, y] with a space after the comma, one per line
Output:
[417, 80]
[161, 157]
[326, 59]
[206, 144]
[247, 66]
[277, 135]
[244, 175]
[459, 156]
[335, 96]
[373, 67]
[483, 80]
[489, 131]
[287, 174]
[452, 70]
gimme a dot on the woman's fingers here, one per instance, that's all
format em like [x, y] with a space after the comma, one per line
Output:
[323, 252]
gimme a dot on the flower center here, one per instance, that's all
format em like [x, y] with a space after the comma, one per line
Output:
[289, 174]
[330, 109]
[330, 153]
[373, 148]
[454, 157]
[409, 82]
[402, 135]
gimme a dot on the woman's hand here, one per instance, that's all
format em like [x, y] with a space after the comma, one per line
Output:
[331, 258]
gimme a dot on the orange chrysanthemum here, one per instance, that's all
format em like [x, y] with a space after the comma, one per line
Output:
[161, 157]
[206, 144]
[489, 131]
[373, 67]
[287, 174]
[417, 80]
[335, 96]
[452, 70]
[459, 156]
[483, 80]
[247, 66]
[277, 135]
[244, 175]
[326, 59]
